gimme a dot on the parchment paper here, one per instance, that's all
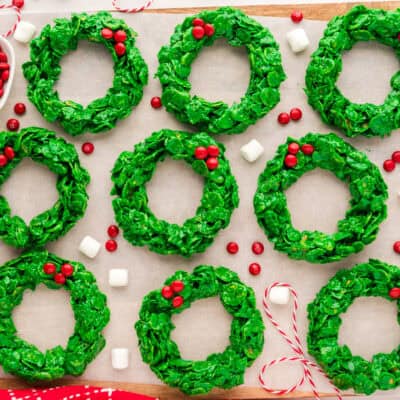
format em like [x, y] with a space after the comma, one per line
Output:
[316, 201]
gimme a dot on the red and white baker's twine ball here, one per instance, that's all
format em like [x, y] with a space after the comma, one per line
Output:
[18, 12]
[132, 10]
[296, 346]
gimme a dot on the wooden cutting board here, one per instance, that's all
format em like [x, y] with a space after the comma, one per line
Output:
[311, 11]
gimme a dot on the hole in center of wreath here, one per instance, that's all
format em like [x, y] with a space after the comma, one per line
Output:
[174, 191]
[203, 329]
[367, 70]
[317, 201]
[78, 82]
[221, 72]
[30, 189]
[370, 326]
[44, 318]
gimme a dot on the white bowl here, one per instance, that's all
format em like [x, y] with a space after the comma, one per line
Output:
[8, 49]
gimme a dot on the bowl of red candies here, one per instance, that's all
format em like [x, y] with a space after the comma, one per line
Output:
[7, 68]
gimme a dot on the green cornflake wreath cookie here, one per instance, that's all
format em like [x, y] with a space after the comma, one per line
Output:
[265, 64]
[359, 24]
[374, 278]
[43, 71]
[21, 358]
[367, 205]
[140, 226]
[224, 370]
[43, 147]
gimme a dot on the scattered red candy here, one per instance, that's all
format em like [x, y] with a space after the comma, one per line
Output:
[167, 292]
[201, 153]
[290, 161]
[59, 278]
[120, 49]
[111, 245]
[177, 301]
[12, 124]
[19, 108]
[156, 102]
[107, 33]
[209, 30]
[18, 3]
[3, 160]
[212, 150]
[307, 149]
[296, 16]
[5, 75]
[113, 231]
[120, 36]
[87, 148]
[67, 269]
[177, 286]
[396, 247]
[295, 114]
[232, 247]
[258, 248]
[198, 32]
[394, 293]
[49, 268]
[293, 148]
[212, 163]
[198, 22]
[283, 118]
[396, 156]
[254, 268]
[389, 165]
[9, 152]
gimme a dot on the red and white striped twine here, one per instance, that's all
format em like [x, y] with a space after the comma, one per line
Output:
[132, 10]
[296, 346]
[18, 12]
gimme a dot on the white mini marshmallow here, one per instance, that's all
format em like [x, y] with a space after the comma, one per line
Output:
[279, 295]
[89, 247]
[251, 151]
[118, 277]
[120, 358]
[24, 32]
[298, 40]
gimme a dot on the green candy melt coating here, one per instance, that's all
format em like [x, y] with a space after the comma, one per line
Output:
[217, 117]
[25, 360]
[224, 370]
[140, 226]
[359, 24]
[43, 147]
[374, 278]
[43, 71]
[367, 205]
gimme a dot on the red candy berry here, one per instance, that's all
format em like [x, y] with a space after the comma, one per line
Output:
[59, 278]
[12, 124]
[87, 148]
[113, 231]
[19, 108]
[232, 247]
[198, 32]
[209, 30]
[5, 75]
[3, 57]
[107, 33]
[18, 3]
[156, 102]
[177, 286]
[212, 163]
[257, 248]
[198, 22]
[307, 149]
[283, 118]
[396, 247]
[293, 148]
[212, 150]
[254, 268]
[9, 152]
[296, 16]
[67, 269]
[394, 293]
[389, 165]
[120, 36]
[201, 153]
[120, 49]
[111, 245]
[295, 114]
[3, 160]
[290, 160]
[177, 301]
[167, 292]
[396, 156]
[49, 268]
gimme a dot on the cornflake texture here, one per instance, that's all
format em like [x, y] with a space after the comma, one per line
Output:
[265, 65]
[367, 205]
[224, 370]
[61, 158]
[359, 24]
[374, 278]
[130, 74]
[23, 359]
[140, 226]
